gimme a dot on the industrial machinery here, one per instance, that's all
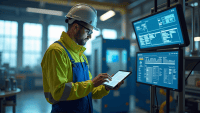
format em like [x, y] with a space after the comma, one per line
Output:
[109, 56]
[2, 78]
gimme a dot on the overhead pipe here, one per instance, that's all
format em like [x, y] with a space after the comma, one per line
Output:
[134, 4]
[97, 5]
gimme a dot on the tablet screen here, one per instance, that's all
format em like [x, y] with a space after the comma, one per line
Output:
[118, 77]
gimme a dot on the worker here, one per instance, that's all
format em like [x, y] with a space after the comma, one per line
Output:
[67, 81]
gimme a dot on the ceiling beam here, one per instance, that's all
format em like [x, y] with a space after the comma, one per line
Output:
[136, 3]
[97, 5]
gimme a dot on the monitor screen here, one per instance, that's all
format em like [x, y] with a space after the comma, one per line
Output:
[161, 29]
[158, 68]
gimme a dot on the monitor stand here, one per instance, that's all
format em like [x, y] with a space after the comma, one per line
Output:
[167, 100]
[152, 97]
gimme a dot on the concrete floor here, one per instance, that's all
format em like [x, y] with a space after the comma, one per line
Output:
[31, 102]
[34, 102]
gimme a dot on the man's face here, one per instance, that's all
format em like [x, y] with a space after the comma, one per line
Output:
[82, 35]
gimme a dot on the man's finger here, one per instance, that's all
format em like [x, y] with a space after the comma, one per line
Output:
[117, 85]
[109, 77]
[105, 80]
[105, 76]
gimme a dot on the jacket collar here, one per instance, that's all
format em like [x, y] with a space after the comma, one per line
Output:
[72, 44]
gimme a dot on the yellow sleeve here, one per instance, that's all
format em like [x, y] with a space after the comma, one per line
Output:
[98, 92]
[59, 79]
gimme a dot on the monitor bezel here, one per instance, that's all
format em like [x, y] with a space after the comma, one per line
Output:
[180, 69]
[183, 27]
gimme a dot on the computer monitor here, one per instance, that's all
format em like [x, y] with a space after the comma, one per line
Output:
[164, 29]
[160, 68]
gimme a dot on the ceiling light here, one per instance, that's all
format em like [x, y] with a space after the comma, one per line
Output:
[196, 4]
[44, 11]
[107, 15]
[196, 38]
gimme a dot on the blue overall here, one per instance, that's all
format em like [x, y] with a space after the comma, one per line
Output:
[83, 105]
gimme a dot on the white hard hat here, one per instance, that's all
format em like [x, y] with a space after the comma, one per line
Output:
[85, 13]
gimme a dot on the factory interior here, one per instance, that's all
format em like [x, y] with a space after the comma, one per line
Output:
[29, 27]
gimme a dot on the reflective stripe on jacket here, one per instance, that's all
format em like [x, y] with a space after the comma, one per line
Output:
[57, 72]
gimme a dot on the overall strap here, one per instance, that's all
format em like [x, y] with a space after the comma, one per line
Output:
[84, 60]
[70, 57]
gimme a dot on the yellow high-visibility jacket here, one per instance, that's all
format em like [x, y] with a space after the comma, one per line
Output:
[58, 76]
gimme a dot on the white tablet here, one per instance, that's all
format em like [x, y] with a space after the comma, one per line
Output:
[118, 77]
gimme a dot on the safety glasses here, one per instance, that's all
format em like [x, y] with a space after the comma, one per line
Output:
[89, 31]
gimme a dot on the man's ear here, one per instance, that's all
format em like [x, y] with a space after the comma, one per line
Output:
[76, 27]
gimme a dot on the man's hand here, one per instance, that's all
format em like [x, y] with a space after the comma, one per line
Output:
[101, 78]
[116, 87]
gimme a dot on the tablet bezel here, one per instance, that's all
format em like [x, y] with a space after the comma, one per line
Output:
[180, 72]
[183, 27]
[120, 81]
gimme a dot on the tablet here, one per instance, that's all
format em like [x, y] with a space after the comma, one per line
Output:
[118, 77]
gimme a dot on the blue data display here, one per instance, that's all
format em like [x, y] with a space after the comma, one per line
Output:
[159, 30]
[158, 68]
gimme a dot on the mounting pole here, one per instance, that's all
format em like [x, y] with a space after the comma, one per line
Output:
[167, 90]
[181, 95]
[152, 88]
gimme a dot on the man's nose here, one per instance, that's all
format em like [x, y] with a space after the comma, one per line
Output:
[89, 36]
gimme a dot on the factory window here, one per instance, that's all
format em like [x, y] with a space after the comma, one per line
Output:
[32, 44]
[109, 34]
[8, 42]
[196, 45]
[88, 45]
[54, 33]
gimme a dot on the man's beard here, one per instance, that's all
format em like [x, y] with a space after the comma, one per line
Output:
[80, 41]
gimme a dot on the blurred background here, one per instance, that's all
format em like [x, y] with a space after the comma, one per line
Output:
[28, 27]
